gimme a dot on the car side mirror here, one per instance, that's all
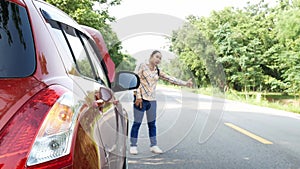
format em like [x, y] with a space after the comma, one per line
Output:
[125, 80]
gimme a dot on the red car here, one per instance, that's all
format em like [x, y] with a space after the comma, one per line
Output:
[57, 104]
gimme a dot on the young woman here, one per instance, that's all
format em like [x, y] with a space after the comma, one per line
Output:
[145, 100]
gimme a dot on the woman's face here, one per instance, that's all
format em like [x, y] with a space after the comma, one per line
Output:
[156, 58]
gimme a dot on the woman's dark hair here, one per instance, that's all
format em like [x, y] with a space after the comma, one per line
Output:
[154, 52]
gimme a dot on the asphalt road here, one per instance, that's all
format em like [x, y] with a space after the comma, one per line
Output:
[201, 132]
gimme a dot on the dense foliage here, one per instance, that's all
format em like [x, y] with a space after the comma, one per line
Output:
[257, 47]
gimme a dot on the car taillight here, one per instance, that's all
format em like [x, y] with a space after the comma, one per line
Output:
[19, 133]
[54, 138]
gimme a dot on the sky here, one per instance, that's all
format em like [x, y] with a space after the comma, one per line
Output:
[178, 8]
[160, 16]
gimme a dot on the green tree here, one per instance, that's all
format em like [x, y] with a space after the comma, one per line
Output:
[199, 55]
[250, 44]
[289, 36]
[175, 68]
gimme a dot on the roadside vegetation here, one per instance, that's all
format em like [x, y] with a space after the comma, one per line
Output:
[251, 54]
[278, 101]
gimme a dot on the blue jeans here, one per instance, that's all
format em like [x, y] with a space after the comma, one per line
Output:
[150, 108]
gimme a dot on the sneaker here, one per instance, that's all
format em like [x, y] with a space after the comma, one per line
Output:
[133, 150]
[156, 150]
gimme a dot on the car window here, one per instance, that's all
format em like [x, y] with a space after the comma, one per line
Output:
[80, 54]
[77, 50]
[101, 76]
[63, 47]
[17, 57]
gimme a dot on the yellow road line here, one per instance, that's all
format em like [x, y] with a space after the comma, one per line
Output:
[249, 134]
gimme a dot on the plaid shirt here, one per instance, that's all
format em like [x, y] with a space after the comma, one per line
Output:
[149, 80]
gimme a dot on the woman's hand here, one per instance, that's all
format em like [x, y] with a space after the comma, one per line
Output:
[139, 103]
[189, 83]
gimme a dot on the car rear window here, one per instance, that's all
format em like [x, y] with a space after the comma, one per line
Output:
[17, 58]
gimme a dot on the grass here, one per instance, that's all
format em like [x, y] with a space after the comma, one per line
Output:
[278, 101]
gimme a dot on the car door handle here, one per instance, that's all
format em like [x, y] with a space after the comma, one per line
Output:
[99, 103]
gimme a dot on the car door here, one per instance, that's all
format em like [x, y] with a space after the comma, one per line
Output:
[108, 126]
[102, 124]
[121, 114]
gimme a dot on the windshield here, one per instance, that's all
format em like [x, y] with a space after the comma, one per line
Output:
[17, 58]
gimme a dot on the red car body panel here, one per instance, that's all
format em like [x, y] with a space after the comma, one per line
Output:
[13, 95]
[46, 68]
